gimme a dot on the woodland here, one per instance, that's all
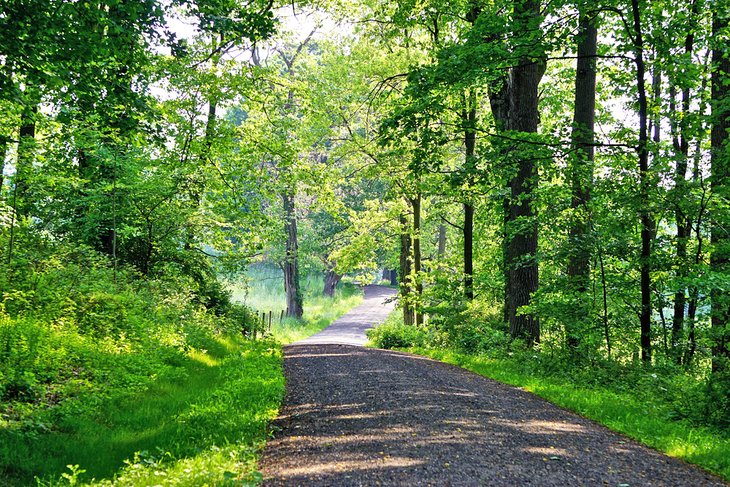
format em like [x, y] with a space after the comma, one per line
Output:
[546, 183]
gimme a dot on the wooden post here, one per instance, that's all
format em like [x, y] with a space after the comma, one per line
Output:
[281, 317]
[271, 313]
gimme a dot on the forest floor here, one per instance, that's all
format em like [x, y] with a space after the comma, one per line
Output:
[359, 416]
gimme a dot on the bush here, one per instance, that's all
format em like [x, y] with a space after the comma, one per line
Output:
[394, 334]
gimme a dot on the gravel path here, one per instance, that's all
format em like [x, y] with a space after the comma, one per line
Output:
[357, 416]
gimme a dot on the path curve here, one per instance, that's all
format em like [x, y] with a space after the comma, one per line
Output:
[359, 417]
[377, 304]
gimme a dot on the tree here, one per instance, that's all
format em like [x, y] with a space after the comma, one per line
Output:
[644, 181]
[521, 248]
[580, 169]
[720, 185]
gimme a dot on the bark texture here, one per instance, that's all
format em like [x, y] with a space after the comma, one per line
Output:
[521, 251]
[25, 156]
[644, 214]
[331, 279]
[405, 271]
[469, 118]
[416, 242]
[581, 172]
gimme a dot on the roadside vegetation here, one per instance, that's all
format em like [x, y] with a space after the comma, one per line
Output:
[263, 291]
[119, 377]
[662, 406]
[107, 378]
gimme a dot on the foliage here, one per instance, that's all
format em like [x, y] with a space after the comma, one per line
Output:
[79, 339]
[141, 161]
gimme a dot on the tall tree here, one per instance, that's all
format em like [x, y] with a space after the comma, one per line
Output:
[644, 182]
[521, 250]
[580, 168]
[681, 136]
[469, 115]
[720, 185]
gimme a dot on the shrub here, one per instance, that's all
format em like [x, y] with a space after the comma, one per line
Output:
[394, 334]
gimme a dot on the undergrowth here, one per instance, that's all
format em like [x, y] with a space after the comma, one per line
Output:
[109, 376]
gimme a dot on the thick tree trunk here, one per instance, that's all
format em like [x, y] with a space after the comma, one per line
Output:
[720, 185]
[331, 278]
[522, 265]
[405, 271]
[294, 307]
[645, 217]
[580, 171]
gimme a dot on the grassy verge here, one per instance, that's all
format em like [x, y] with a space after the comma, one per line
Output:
[264, 292]
[638, 412]
[159, 392]
[200, 424]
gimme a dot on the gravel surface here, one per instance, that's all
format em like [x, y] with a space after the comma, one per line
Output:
[350, 329]
[358, 416]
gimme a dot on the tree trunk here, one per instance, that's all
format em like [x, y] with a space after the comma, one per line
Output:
[23, 166]
[500, 106]
[331, 278]
[294, 307]
[684, 228]
[522, 265]
[693, 291]
[3, 154]
[393, 277]
[416, 203]
[580, 171]
[681, 216]
[26, 151]
[405, 271]
[720, 186]
[469, 251]
[441, 252]
[645, 217]
[469, 119]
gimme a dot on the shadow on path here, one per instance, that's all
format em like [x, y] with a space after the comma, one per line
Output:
[358, 416]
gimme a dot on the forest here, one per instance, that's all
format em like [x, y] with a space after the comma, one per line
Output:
[546, 183]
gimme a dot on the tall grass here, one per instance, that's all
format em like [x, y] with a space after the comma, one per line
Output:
[262, 288]
[201, 423]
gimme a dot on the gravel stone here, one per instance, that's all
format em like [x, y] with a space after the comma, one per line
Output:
[355, 416]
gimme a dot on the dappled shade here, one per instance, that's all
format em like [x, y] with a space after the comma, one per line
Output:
[356, 416]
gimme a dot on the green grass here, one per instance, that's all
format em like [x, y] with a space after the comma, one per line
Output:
[184, 405]
[201, 425]
[649, 423]
[264, 292]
